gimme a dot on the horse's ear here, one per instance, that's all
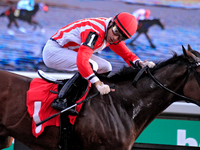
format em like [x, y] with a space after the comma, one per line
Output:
[188, 53]
[189, 48]
[184, 51]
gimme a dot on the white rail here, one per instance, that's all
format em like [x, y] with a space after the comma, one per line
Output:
[175, 108]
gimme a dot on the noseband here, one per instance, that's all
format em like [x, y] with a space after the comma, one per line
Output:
[191, 67]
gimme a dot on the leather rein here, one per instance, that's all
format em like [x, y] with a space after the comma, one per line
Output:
[190, 67]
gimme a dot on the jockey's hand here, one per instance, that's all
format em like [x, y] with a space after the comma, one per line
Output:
[102, 88]
[150, 64]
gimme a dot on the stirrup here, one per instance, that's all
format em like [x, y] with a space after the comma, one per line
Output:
[61, 104]
[48, 78]
[68, 94]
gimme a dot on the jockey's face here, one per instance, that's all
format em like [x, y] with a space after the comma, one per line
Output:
[114, 35]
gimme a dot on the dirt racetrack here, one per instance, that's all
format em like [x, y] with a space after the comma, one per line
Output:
[22, 52]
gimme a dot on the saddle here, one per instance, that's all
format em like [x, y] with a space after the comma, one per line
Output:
[74, 93]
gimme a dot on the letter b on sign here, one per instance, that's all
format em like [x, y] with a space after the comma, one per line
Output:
[182, 140]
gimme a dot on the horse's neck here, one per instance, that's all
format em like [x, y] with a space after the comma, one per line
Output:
[36, 8]
[172, 76]
[135, 107]
[149, 99]
[152, 22]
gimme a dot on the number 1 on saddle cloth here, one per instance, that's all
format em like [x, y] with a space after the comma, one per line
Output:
[71, 91]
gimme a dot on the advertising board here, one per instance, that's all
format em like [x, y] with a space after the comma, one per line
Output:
[10, 148]
[172, 132]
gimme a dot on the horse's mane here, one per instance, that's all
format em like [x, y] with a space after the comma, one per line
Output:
[128, 73]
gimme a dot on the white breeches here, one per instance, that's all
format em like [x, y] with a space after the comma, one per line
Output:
[59, 58]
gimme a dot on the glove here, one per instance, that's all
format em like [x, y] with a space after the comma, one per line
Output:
[102, 88]
[150, 64]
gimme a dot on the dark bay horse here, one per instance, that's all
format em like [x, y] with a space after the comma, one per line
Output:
[12, 13]
[143, 27]
[109, 122]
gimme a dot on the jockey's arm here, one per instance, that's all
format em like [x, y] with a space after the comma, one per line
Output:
[86, 70]
[122, 50]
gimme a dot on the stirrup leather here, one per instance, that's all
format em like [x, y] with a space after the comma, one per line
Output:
[61, 104]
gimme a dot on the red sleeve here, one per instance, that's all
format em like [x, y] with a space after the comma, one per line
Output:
[82, 61]
[122, 50]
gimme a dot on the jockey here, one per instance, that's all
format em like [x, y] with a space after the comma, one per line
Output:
[72, 48]
[26, 5]
[141, 14]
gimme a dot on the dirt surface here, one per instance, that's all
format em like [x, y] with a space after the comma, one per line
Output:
[23, 51]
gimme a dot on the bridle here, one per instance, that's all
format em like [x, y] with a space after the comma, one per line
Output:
[190, 67]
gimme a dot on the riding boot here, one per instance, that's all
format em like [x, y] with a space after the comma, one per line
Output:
[64, 98]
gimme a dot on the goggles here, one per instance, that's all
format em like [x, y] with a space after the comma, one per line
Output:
[116, 31]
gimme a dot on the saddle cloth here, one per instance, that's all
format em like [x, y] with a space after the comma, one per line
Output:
[39, 99]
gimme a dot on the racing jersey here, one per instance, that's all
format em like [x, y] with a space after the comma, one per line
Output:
[86, 37]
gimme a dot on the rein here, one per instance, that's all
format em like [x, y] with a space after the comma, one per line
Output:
[190, 67]
[64, 110]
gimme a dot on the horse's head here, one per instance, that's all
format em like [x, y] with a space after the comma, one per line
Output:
[43, 7]
[192, 86]
[159, 23]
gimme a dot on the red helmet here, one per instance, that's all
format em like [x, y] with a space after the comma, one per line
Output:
[147, 13]
[127, 23]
